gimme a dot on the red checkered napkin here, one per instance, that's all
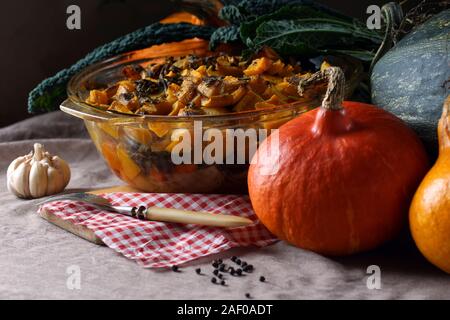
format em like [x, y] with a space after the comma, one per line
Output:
[155, 244]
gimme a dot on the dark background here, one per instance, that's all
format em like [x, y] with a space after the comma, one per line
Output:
[35, 42]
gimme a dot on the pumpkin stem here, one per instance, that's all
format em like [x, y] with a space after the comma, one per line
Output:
[334, 95]
[444, 126]
[393, 15]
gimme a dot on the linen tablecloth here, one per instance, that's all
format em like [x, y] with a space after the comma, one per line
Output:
[37, 259]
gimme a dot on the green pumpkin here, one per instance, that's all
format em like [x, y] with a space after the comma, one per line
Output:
[411, 80]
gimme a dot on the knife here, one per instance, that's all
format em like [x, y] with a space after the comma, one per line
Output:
[155, 213]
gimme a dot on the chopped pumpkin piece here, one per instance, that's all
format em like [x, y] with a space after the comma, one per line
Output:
[258, 66]
[172, 92]
[210, 87]
[227, 65]
[272, 79]
[171, 74]
[218, 101]
[187, 92]
[159, 128]
[176, 107]
[109, 129]
[132, 72]
[229, 70]
[272, 102]
[287, 89]
[277, 68]
[147, 109]
[257, 84]
[238, 94]
[117, 106]
[109, 153]
[127, 85]
[247, 102]
[231, 83]
[98, 97]
[197, 101]
[128, 167]
[163, 107]
[140, 135]
[201, 70]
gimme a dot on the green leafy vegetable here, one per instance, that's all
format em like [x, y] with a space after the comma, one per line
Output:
[231, 14]
[248, 29]
[297, 27]
[228, 34]
[311, 36]
[252, 9]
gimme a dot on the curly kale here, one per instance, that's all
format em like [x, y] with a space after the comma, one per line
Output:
[247, 10]
[239, 13]
[228, 34]
[260, 7]
[51, 92]
[298, 27]
[231, 14]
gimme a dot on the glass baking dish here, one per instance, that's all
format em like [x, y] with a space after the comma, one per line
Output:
[138, 148]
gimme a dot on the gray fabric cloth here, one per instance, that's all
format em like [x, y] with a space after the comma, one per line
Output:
[35, 255]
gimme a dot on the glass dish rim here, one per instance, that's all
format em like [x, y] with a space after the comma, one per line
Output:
[74, 105]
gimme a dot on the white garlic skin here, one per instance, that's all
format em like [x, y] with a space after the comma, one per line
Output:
[37, 174]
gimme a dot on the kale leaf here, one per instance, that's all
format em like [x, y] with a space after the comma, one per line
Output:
[297, 27]
[312, 36]
[228, 34]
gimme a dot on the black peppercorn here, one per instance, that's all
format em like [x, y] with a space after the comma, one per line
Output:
[213, 280]
[220, 276]
[239, 272]
[198, 271]
[216, 272]
[219, 261]
[244, 264]
[248, 296]
[222, 282]
[233, 258]
[232, 272]
[215, 265]
[248, 268]
[175, 268]
[238, 261]
[262, 279]
[222, 267]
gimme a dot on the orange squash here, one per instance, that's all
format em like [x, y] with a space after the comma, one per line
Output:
[430, 210]
[183, 17]
[343, 177]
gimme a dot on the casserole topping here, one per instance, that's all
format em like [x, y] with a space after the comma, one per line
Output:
[211, 85]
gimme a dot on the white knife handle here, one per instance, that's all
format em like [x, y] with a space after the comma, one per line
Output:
[201, 218]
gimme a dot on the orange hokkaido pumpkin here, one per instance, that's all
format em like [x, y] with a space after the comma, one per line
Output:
[343, 177]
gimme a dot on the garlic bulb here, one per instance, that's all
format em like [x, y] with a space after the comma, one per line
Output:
[37, 174]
